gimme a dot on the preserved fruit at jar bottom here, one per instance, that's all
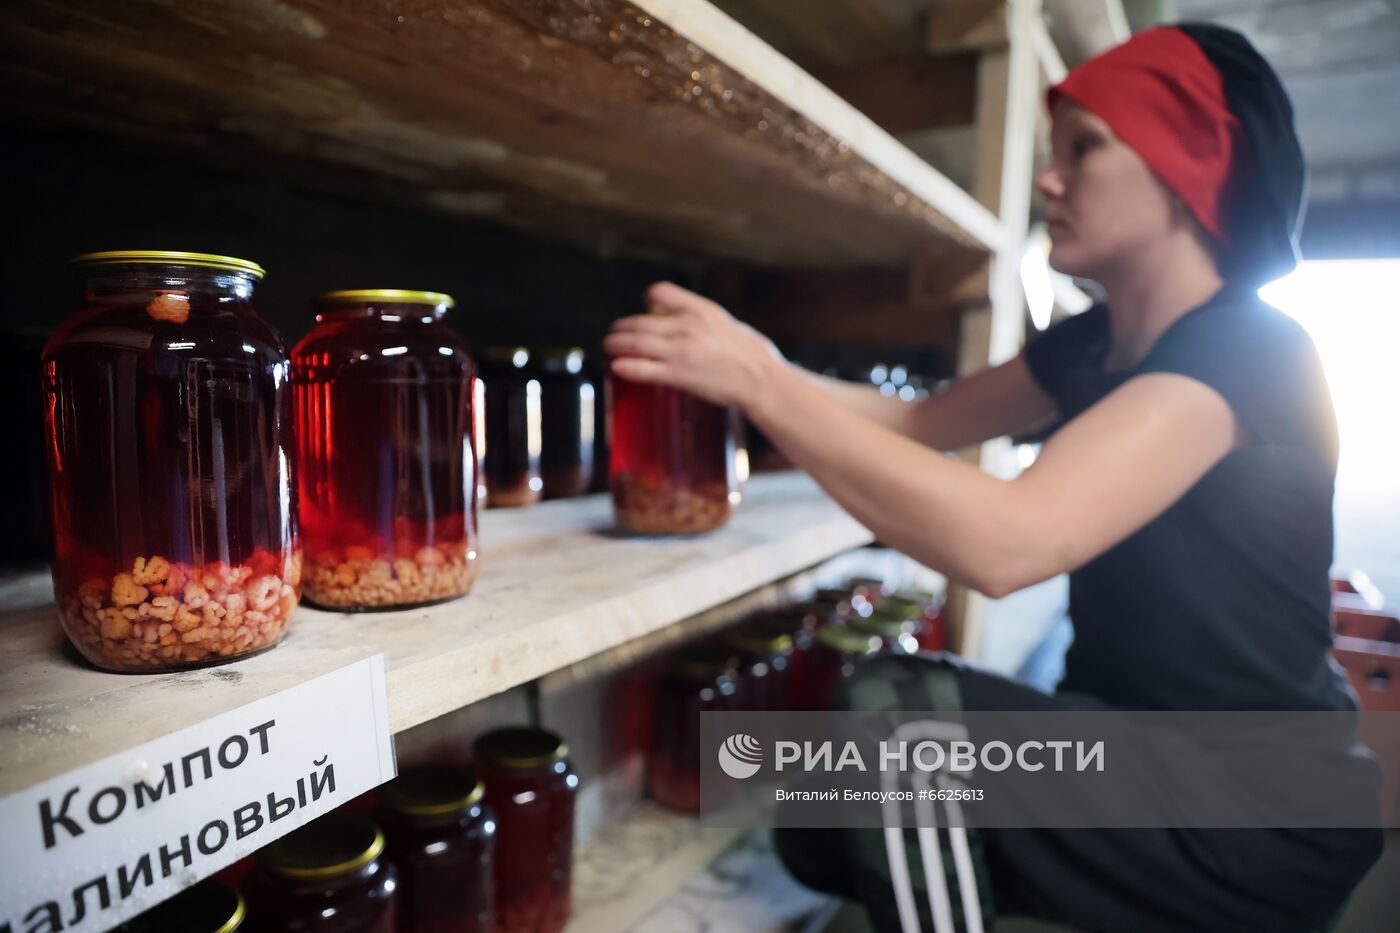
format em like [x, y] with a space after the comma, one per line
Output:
[162, 614]
[168, 419]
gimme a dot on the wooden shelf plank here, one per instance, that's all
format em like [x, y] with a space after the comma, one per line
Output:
[655, 123]
[662, 872]
[557, 585]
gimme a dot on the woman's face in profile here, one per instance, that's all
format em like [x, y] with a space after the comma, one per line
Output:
[1104, 207]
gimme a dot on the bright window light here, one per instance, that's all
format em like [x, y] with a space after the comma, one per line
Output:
[1351, 308]
[1035, 279]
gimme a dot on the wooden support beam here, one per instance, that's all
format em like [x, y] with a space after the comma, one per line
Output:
[1082, 28]
[910, 93]
[967, 25]
[992, 332]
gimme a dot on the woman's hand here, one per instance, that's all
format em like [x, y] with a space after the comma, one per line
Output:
[695, 345]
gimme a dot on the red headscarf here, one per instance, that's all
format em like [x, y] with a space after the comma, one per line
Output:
[1163, 97]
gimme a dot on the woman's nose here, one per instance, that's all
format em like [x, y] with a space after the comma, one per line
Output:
[1049, 184]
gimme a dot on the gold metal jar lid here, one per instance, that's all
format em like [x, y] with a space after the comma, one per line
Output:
[520, 748]
[336, 844]
[756, 640]
[848, 640]
[170, 257]
[398, 296]
[886, 625]
[209, 906]
[705, 661]
[433, 790]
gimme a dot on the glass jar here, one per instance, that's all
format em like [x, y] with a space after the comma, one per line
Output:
[765, 662]
[920, 605]
[898, 632]
[672, 467]
[602, 443]
[566, 403]
[209, 906]
[441, 836]
[329, 876]
[835, 652]
[511, 459]
[799, 623]
[844, 603]
[531, 787]
[868, 588]
[168, 419]
[698, 679]
[386, 465]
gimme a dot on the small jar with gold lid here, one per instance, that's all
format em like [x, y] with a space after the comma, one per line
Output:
[531, 787]
[765, 661]
[329, 876]
[698, 678]
[441, 837]
[210, 906]
[386, 463]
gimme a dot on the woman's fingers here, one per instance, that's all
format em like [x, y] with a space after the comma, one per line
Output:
[637, 343]
[656, 324]
[675, 299]
[639, 369]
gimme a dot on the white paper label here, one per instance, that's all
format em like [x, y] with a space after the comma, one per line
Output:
[98, 845]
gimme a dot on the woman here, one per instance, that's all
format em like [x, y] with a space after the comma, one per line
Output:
[1186, 489]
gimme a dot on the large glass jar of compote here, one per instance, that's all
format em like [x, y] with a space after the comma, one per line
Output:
[513, 436]
[168, 414]
[386, 462]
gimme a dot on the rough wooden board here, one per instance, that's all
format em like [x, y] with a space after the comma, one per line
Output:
[634, 865]
[664, 122]
[557, 586]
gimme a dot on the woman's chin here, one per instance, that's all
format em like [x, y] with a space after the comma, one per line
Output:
[1063, 259]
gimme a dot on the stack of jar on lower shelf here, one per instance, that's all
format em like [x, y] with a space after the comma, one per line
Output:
[438, 850]
[789, 658]
[204, 479]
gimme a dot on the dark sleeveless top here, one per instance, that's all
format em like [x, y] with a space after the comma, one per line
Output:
[1221, 602]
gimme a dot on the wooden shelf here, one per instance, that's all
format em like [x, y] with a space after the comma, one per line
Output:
[625, 125]
[662, 872]
[557, 586]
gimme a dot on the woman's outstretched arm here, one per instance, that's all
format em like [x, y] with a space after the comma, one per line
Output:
[1099, 479]
[997, 401]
